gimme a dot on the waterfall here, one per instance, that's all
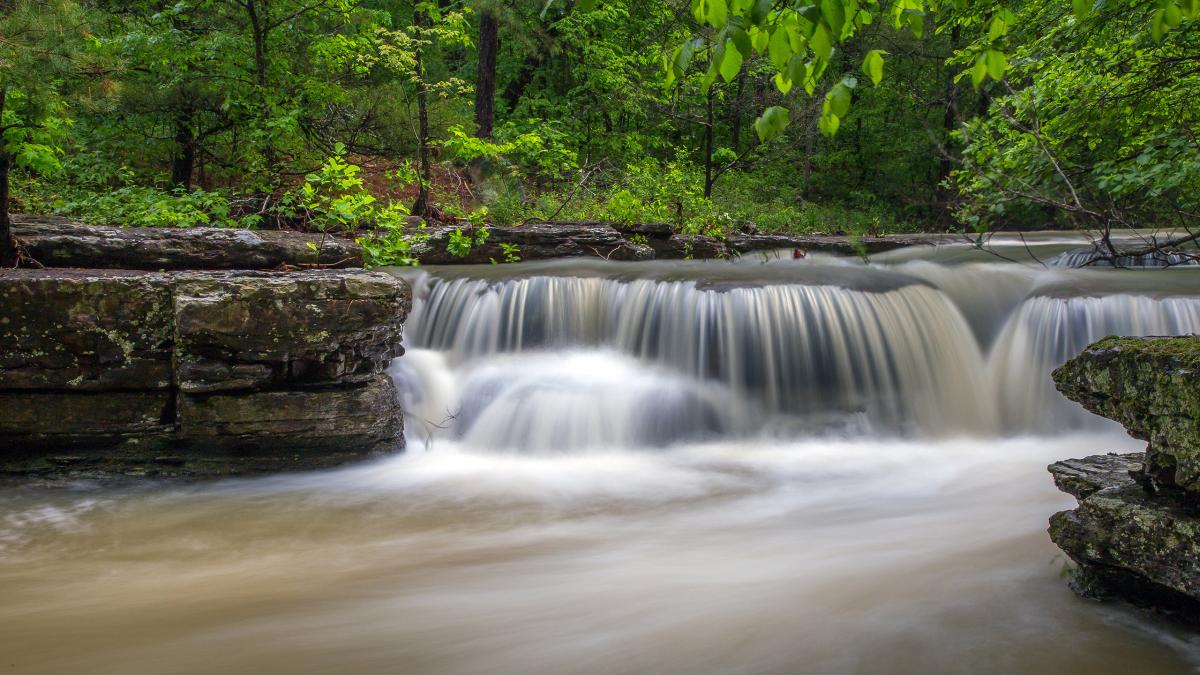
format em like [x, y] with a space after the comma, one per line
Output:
[903, 358]
[1093, 256]
[1046, 331]
[550, 362]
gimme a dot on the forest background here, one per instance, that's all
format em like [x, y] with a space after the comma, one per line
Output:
[844, 116]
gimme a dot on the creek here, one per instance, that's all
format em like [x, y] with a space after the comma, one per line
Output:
[761, 466]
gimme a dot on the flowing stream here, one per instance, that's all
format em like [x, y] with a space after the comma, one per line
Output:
[761, 466]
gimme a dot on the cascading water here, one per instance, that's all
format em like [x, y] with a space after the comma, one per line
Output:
[809, 466]
[918, 349]
[898, 358]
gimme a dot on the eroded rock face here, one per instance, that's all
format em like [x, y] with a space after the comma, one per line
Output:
[1128, 542]
[84, 331]
[243, 331]
[1136, 532]
[196, 372]
[1152, 387]
[58, 242]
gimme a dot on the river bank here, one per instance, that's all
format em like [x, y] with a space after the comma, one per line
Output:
[161, 361]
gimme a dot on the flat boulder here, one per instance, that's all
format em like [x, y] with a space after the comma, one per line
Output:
[58, 242]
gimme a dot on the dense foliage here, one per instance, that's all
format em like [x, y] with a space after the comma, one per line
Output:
[842, 115]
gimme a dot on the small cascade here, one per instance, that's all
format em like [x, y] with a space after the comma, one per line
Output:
[1045, 331]
[1090, 256]
[903, 358]
[581, 400]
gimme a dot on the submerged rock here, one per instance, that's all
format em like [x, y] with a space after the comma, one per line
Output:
[218, 372]
[1136, 531]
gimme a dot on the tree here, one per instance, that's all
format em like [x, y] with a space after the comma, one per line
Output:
[1097, 125]
[38, 49]
[485, 81]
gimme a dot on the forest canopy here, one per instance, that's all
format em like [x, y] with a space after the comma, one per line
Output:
[856, 116]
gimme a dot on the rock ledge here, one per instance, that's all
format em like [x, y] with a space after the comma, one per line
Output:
[1136, 531]
[196, 373]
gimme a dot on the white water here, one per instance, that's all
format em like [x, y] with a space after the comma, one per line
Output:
[917, 350]
[676, 468]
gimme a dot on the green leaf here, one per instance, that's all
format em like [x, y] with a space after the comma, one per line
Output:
[759, 11]
[771, 124]
[760, 40]
[838, 99]
[1082, 9]
[821, 44]
[716, 12]
[782, 83]
[796, 70]
[731, 62]
[916, 23]
[585, 5]
[779, 49]
[1158, 25]
[710, 76]
[978, 72]
[872, 65]
[1172, 16]
[997, 63]
[997, 28]
[828, 124]
[835, 15]
[741, 40]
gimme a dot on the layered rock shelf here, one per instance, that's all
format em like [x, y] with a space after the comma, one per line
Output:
[197, 372]
[1136, 532]
[58, 242]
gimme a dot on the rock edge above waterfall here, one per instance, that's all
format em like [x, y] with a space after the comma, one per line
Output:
[59, 242]
[1136, 531]
[196, 373]
[646, 241]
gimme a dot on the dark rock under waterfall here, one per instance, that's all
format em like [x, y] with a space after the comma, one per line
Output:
[1136, 531]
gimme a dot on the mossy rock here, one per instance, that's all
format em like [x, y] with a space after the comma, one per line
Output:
[1152, 387]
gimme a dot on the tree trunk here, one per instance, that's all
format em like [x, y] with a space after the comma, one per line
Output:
[708, 144]
[421, 207]
[735, 121]
[8, 247]
[260, 44]
[184, 161]
[485, 84]
[949, 121]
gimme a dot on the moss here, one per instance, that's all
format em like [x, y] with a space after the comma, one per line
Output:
[1152, 387]
[1184, 347]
